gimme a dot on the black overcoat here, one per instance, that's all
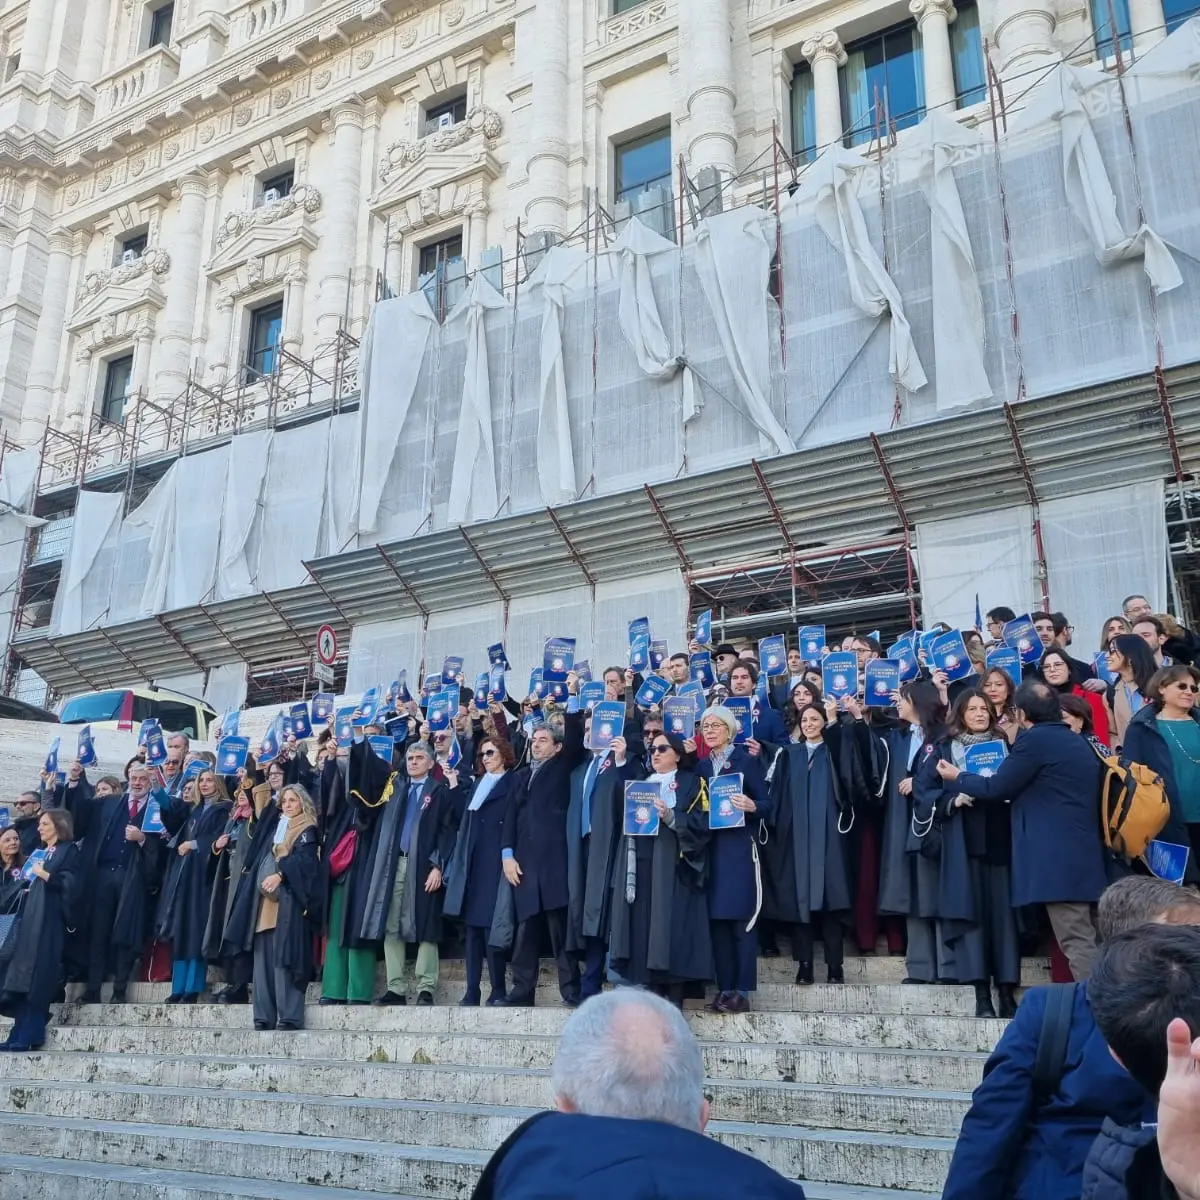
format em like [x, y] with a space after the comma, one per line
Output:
[473, 878]
[735, 881]
[299, 916]
[187, 887]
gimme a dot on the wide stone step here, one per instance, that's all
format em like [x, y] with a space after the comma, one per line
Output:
[357, 1026]
[26, 1178]
[453, 1108]
[266, 1059]
[884, 999]
[799, 1153]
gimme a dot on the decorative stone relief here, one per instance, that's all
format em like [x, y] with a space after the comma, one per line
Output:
[152, 262]
[302, 198]
[480, 122]
[635, 20]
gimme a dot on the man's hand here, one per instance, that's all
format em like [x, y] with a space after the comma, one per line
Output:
[433, 880]
[619, 749]
[134, 834]
[904, 787]
[948, 771]
[754, 746]
[512, 871]
[1179, 1112]
[1095, 685]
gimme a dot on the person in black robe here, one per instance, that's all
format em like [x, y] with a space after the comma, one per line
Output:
[229, 934]
[187, 890]
[735, 877]
[414, 840]
[474, 877]
[34, 973]
[286, 884]
[353, 782]
[120, 872]
[808, 857]
[27, 809]
[594, 820]
[660, 935]
[534, 856]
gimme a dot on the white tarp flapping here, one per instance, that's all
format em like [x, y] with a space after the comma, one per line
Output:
[76, 605]
[249, 456]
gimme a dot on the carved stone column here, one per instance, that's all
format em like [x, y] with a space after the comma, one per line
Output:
[706, 50]
[219, 338]
[477, 214]
[933, 20]
[546, 208]
[292, 336]
[183, 291]
[340, 225]
[825, 55]
[1024, 37]
[1147, 23]
[35, 45]
[47, 339]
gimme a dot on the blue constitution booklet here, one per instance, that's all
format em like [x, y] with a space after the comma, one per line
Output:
[641, 817]
[721, 812]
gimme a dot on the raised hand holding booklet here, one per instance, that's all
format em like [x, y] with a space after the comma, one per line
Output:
[608, 722]
[383, 747]
[641, 815]
[452, 670]
[1006, 659]
[679, 716]
[482, 683]
[652, 691]
[772, 655]
[812, 642]
[1020, 634]
[903, 652]
[322, 709]
[590, 694]
[231, 755]
[85, 751]
[658, 654]
[704, 628]
[700, 665]
[721, 811]
[882, 679]
[301, 725]
[839, 675]
[558, 655]
[343, 723]
[743, 714]
[949, 653]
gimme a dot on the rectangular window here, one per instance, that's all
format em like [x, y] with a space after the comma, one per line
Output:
[644, 163]
[262, 351]
[12, 66]
[620, 6]
[437, 254]
[1103, 12]
[882, 84]
[278, 186]
[804, 115]
[1177, 12]
[131, 247]
[161, 20]
[446, 114]
[117, 375]
[966, 48]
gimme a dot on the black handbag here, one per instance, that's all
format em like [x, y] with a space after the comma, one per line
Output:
[10, 930]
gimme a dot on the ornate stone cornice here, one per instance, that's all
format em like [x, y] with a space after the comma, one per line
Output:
[480, 122]
[153, 261]
[303, 199]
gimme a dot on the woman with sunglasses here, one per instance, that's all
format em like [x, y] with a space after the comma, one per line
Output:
[1165, 736]
[474, 876]
[660, 935]
[1130, 660]
[809, 858]
[735, 877]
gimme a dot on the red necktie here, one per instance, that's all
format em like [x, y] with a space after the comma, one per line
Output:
[133, 810]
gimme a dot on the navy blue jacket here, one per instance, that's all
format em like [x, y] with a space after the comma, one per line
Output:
[1013, 1148]
[1052, 778]
[556, 1155]
[768, 724]
[732, 884]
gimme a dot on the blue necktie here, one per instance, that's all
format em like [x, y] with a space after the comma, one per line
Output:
[589, 786]
[410, 817]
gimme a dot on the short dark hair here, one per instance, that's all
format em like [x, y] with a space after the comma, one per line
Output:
[502, 746]
[680, 657]
[956, 726]
[1142, 980]
[29, 798]
[746, 664]
[1134, 596]
[1041, 616]
[63, 824]
[1151, 620]
[1139, 900]
[1077, 706]
[927, 705]
[1059, 621]
[1039, 702]
[1001, 614]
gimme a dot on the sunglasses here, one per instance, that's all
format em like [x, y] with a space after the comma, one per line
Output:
[660, 747]
[488, 754]
[1184, 686]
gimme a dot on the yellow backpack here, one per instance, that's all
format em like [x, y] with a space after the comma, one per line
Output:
[1133, 805]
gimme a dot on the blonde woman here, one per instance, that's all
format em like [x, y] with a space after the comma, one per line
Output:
[288, 884]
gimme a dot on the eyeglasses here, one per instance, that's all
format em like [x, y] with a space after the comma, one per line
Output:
[660, 747]
[1184, 686]
[487, 754]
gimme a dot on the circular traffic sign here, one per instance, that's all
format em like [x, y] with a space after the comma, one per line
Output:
[326, 644]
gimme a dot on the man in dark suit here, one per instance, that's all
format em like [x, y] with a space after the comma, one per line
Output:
[535, 856]
[120, 867]
[768, 725]
[1052, 777]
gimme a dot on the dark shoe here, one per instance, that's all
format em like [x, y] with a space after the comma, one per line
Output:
[470, 1000]
[118, 996]
[716, 1004]
[983, 1001]
[287, 1026]
[388, 999]
[836, 975]
[174, 998]
[327, 1000]
[262, 1026]
[234, 995]
[770, 951]
[189, 998]
[424, 999]
[735, 1002]
[804, 973]
[515, 1002]
[496, 999]
[90, 997]
[1008, 1000]
[917, 982]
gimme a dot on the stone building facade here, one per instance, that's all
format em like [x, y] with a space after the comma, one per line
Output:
[188, 188]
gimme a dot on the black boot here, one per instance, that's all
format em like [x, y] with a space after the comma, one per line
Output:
[804, 973]
[983, 1000]
[1008, 1001]
[836, 975]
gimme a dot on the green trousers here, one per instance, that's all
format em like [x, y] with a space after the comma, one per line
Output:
[349, 974]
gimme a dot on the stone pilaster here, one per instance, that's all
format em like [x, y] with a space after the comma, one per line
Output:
[47, 340]
[183, 295]
[933, 19]
[825, 54]
[546, 208]
[339, 237]
[706, 49]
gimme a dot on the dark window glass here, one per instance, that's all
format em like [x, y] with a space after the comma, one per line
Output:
[281, 183]
[437, 254]
[885, 69]
[97, 706]
[449, 112]
[804, 115]
[966, 49]
[161, 21]
[266, 325]
[644, 163]
[1178, 11]
[175, 717]
[117, 375]
[137, 243]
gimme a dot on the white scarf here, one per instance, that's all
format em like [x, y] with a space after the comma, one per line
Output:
[666, 786]
[483, 789]
[281, 829]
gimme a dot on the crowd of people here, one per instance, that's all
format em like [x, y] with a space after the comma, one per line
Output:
[822, 821]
